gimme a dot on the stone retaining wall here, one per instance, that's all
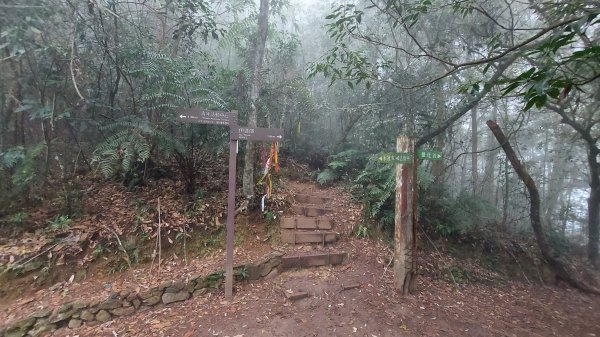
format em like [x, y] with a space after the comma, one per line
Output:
[78, 313]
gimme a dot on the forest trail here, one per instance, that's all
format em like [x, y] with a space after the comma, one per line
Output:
[352, 299]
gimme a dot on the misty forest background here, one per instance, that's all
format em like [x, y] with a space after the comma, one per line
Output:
[91, 87]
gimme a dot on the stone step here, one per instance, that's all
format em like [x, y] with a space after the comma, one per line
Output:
[292, 236]
[313, 260]
[311, 199]
[309, 210]
[303, 222]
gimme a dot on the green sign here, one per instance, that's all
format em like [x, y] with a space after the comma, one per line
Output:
[429, 154]
[406, 158]
[395, 157]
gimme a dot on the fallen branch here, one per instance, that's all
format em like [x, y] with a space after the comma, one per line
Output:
[18, 264]
[121, 247]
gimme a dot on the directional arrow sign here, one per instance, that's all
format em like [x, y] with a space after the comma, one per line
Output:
[429, 154]
[259, 134]
[195, 115]
[395, 157]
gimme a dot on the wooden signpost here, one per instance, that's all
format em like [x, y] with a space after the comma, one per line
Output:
[201, 116]
[405, 220]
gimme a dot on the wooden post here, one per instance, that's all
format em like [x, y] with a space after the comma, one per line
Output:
[403, 231]
[233, 144]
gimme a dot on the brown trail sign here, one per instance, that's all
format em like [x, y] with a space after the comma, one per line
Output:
[259, 134]
[207, 117]
[201, 116]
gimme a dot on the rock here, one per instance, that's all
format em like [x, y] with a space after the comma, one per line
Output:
[131, 297]
[210, 281]
[297, 295]
[123, 311]
[174, 287]
[103, 316]
[95, 302]
[126, 304]
[41, 327]
[93, 310]
[42, 313]
[110, 304]
[196, 278]
[191, 286]
[265, 270]
[20, 328]
[150, 293]
[152, 300]
[124, 293]
[74, 323]
[136, 303]
[200, 292]
[272, 274]
[253, 272]
[277, 254]
[87, 315]
[79, 305]
[270, 264]
[65, 307]
[175, 297]
[113, 296]
[62, 316]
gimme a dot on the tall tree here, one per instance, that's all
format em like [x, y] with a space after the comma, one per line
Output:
[259, 52]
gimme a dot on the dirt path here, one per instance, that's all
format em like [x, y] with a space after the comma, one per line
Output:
[372, 309]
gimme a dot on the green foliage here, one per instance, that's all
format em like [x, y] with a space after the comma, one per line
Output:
[18, 218]
[559, 242]
[326, 176]
[59, 223]
[452, 215]
[99, 250]
[374, 188]
[241, 273]
[559, 69]
[196, 17]
[341, 165]
[269, 216]
[457, 274]
[19, 169]
[72, 199]
[362, 231]
[131, 142]
[440, 212]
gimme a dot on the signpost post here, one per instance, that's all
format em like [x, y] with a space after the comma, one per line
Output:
[406, 158]
[201, 116]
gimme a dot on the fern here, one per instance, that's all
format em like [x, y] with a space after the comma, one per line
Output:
[238, 28]
[21, 167]
[375, 187]
[327, 176]
[341, 164]
[131, 142]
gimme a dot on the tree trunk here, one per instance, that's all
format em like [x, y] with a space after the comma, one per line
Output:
[489, 187]
[555, 183]
[594, 199]
[474, 140]
[259, 51]
[437, 167]
[593, 206]
[556, 264]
